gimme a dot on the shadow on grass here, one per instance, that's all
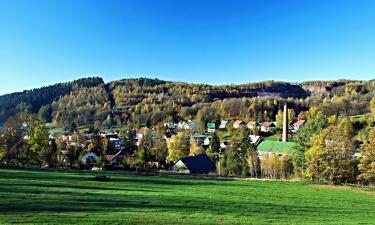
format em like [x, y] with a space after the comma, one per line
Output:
[45, 192]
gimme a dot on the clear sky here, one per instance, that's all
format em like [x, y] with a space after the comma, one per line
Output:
[217, 42]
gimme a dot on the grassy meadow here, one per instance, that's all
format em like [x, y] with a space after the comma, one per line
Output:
[44, 197]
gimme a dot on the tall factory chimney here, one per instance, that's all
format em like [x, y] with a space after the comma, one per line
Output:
[285, 124]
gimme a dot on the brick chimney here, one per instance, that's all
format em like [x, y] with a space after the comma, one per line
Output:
[285, 124]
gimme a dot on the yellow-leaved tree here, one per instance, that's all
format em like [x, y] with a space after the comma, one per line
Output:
[178, 147]
[330, 156]
[367, 162]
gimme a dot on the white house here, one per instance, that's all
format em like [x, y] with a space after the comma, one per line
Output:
[223, 124]
[254, 139]
[266, 126]
[298, 124]
[238, 123]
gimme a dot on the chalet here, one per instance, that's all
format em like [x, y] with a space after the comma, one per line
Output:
[267, 126]
[211, 127]
[251, 124]
[115, 160]
[298, 124]
[238, 124]
[198, 164]
[223, 124]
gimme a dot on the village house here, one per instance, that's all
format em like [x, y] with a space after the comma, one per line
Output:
[109, 134]
[116, 142]
[198, 164]
[267, 126]
[189, 125]
[298, 124]
[211, 127]
[223, 124]
[140, 134]
[115, 161]
[238, 124]
[199, 138]
[89, 159]
[207, 141]
[254, 139]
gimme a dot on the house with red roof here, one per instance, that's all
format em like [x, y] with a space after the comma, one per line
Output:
[298, 124]
[115, 160]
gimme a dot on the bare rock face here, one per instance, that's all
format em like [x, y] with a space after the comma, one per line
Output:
[316, 90]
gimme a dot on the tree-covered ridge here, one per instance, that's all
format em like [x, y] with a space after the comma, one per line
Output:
[132, 91]
[33, 100]
[83, 106]
[145, 100]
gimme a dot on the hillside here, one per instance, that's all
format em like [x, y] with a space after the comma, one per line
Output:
[33, 100]
[91, 102]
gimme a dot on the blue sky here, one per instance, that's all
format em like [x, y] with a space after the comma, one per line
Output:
[216, 42]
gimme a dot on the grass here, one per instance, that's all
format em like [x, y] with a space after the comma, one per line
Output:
[43, 197]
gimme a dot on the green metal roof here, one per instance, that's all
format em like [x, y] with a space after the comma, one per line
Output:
[277, 147]
[211, 125]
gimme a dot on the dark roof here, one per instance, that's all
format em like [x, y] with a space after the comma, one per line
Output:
[199, 164]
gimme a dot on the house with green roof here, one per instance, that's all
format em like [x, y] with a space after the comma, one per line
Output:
[276, 147]
[211, 127]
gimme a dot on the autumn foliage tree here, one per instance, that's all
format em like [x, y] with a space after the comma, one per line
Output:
[367, 162]
[330, 156]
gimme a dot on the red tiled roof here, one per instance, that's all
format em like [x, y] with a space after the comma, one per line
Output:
[299, 122]
[112, 157]
[267, 124]
[238, 122]
[141, 130]
[109, 157]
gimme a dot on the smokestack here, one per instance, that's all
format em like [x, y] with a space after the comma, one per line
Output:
[285, 124]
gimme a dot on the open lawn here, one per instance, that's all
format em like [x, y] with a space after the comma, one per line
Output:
[28, 196]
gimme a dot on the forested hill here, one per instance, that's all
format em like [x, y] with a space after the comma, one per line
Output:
[33, 100]
[90, 101]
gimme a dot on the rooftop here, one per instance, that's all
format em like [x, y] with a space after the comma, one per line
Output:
[277, 147]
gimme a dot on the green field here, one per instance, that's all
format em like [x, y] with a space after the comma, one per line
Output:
[44, 197]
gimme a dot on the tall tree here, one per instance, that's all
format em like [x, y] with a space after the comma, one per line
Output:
[49, 155]
[367, 162]
[215, 143]
[37, 139]
[130, 141]
[178, 147]
[316, 122]
[45, 113]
